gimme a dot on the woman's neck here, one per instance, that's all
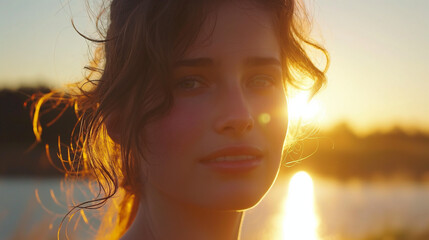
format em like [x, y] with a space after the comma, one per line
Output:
[160, 217]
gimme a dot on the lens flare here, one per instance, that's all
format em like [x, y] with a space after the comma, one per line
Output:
[264, 118]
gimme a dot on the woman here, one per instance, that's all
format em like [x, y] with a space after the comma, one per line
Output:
[188, 117]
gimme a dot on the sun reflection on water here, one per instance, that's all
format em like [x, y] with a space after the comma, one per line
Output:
[300, 221]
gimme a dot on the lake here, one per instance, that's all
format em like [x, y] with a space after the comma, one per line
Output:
[314, 207]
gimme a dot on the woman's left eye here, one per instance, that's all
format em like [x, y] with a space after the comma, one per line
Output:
[261, 81]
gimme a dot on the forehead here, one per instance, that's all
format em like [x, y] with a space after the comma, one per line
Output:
[236, 29]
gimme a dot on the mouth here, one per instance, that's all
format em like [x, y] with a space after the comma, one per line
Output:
[234, 159]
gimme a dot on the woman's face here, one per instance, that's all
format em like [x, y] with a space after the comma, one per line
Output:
[220, 145]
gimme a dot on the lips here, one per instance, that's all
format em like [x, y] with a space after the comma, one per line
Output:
[234, 153]
[234, 158]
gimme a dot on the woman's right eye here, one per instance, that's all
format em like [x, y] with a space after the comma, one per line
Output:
[190, 83]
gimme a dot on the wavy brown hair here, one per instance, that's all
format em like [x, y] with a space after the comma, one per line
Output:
[127, 86]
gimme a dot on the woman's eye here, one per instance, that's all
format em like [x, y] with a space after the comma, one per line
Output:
[261, 81]
[192, 82]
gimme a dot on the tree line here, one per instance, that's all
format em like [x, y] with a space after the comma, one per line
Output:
[337, 153]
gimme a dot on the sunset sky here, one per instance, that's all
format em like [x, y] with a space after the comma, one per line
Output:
[379, 75]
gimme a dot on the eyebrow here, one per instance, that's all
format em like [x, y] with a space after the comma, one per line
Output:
[194, 62]
[204, 62]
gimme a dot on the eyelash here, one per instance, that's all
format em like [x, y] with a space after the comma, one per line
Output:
[188, 79]
[200, 80]
[269, 79]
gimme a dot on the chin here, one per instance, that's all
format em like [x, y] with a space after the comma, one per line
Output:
[239, 198]
[243, 204]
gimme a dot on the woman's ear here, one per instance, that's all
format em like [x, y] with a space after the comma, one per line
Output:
[113, 126]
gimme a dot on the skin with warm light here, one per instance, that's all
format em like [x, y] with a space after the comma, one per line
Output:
[210, 158]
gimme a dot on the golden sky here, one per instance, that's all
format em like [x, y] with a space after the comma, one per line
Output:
[379, 74]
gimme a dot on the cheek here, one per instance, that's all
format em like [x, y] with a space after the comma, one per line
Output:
[280, 121]
[273, 120]
[172, 144]
[173, 134]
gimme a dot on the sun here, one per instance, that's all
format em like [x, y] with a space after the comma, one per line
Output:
[302, 108]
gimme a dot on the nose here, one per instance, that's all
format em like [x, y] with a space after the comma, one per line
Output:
[234, 118]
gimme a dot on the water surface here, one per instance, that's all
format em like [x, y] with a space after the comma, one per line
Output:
[353, 209]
